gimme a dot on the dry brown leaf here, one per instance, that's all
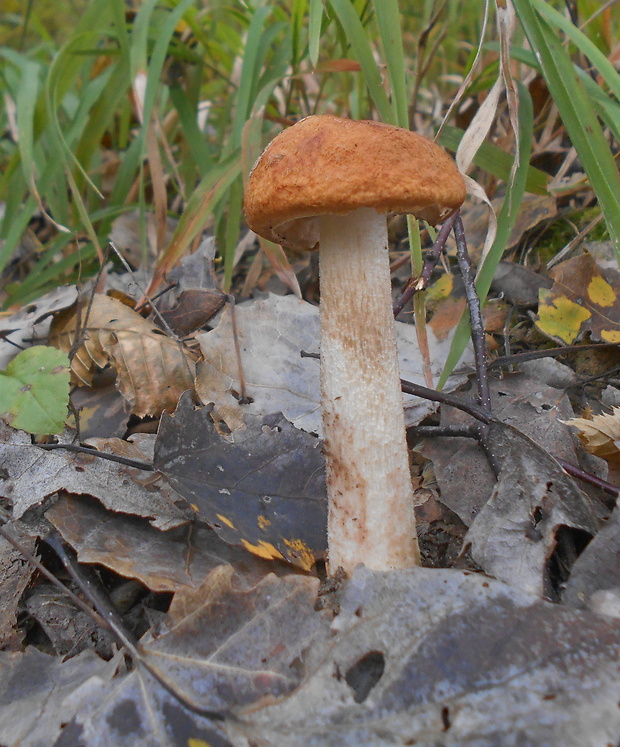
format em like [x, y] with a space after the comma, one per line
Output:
[153, 369]
[583, 299]
[601, 435]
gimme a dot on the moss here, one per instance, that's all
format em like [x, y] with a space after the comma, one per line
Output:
[562, 231]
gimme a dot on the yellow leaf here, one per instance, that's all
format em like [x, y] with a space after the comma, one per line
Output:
[561, 317]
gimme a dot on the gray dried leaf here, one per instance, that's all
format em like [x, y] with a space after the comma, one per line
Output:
[34, 688]
[31, 474]
[272, 333]
[134, 711]
[463, 474]
[32, 322]
[229, 645]
[597, 570]
[466, 661]
[516, 533]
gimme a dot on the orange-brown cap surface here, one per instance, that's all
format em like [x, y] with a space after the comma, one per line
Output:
[327, 165]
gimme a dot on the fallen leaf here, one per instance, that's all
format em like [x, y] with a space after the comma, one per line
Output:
[583, 298]
[30, 475]
[519, 285]
[516, 533]
[461, 468]
[597, 571]
[229, 645]
[417, 656]
[153, 369]
[15, 575]
[196, 296]
[131, 711]
[601, 434]
[32, 322]
[271, 334]
[34, 390]
[533, 210]
[440, 657]
[34, 688]
[128, 545]
[102, 412]
[262, 487]
[194, 308]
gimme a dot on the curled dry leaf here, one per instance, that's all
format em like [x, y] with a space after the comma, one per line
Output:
[517, 534]
[601, 435]
[153, 369]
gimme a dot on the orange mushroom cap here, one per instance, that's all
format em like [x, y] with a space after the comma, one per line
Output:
[325, 165]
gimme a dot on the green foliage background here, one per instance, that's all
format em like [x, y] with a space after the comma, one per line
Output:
[222, 77]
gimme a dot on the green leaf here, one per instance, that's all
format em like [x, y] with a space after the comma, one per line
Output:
[34, 390]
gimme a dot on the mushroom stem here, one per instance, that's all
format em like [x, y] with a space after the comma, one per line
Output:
[371, 511]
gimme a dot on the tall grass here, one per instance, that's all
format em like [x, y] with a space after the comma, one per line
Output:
[164, 109]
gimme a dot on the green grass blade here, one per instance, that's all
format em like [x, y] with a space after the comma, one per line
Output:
[195, 139]
[233, 221]
[314, 30]
[26, 103]
[159, 54]
[575, 108]
[253, 56]
[388, 20]
[358, 39]
[607, 108]
[592, 52]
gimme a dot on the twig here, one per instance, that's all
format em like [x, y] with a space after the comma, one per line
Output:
[89, 585]
[147, 466]
[477, 335]
[447, 431]
[475, 315]
[603, 485]
[413, 285]
[243, 398]
[99, 619]
[471, 408]
[516, 358]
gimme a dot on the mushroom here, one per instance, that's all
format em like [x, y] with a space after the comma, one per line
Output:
[333, 181]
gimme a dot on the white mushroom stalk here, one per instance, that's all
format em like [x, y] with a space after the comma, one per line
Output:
[371, 510]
